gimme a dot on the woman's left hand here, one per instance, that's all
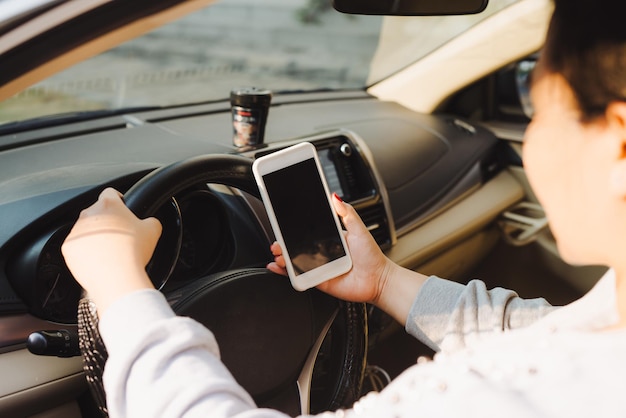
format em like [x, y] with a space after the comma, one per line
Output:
[108, 249]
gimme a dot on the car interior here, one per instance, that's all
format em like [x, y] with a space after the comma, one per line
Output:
[430, 157]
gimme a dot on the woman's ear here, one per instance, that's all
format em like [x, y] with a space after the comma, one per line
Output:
[616, 120]
[615, 115]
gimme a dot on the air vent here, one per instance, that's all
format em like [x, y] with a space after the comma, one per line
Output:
[348, 172]
[376, 222]
[462, 126]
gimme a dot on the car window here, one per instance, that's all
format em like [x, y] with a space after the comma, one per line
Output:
[281, 45]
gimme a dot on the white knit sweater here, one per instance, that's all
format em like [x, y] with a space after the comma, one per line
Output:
[563, 365]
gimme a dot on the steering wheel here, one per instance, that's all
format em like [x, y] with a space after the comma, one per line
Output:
[298, 352]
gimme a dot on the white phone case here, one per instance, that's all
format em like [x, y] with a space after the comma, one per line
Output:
[300, 210]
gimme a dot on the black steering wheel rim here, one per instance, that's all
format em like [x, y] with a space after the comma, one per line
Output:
[149, 197]
[146, 196]
[348, 324]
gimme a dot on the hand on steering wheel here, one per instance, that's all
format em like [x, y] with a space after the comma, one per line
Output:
[108, 248]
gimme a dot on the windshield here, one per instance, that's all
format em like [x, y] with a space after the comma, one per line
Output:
[281, 45]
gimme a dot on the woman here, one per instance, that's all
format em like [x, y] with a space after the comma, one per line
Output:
[569, 363]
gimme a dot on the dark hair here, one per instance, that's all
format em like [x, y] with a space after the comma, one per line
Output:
[586, 43]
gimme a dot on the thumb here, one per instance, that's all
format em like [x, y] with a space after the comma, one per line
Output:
[350, 218]
[152, 232]
[153, 227]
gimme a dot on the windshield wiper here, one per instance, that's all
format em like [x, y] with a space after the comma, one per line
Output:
[70, 117]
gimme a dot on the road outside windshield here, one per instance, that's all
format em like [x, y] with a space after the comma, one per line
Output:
[282, 45]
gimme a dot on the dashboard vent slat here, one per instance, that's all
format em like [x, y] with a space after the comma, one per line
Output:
[376, 222]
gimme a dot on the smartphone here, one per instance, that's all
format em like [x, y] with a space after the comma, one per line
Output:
[299, 207]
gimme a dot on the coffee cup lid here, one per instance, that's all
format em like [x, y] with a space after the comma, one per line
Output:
[250, 96]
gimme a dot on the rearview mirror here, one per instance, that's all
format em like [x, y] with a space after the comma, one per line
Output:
[410, 7]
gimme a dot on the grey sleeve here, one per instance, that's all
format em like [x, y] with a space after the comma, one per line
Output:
[448, 316]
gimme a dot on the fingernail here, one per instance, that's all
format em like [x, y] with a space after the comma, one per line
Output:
[336, 196]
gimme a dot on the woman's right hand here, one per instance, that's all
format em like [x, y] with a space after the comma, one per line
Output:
[365, 281]
[374, 278]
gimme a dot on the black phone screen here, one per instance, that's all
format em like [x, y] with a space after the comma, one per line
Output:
[304, 216]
